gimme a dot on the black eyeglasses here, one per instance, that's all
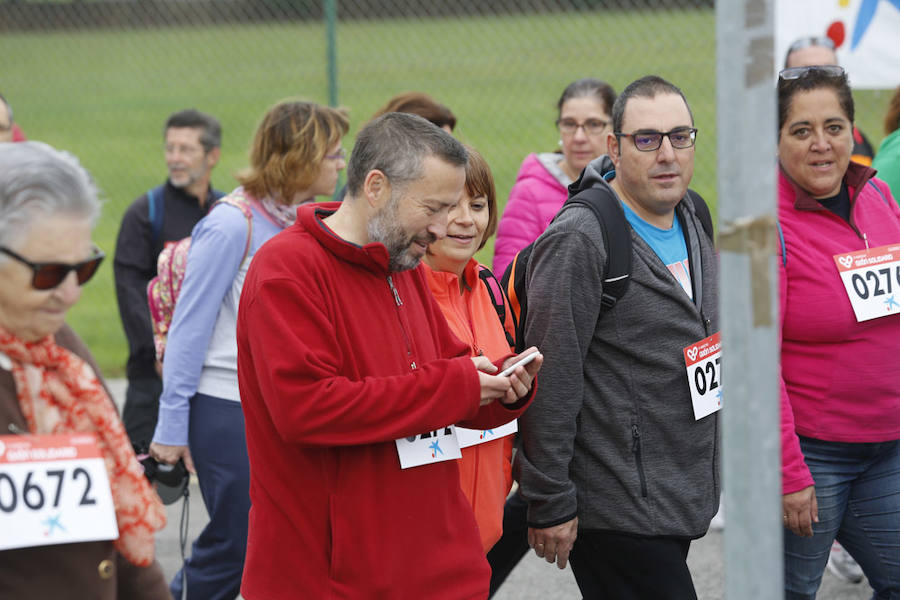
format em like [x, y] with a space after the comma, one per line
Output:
[648, 141]
[591, 126]
[49, 275]
[798, 72]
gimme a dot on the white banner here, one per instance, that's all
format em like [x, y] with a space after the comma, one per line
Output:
[866, 36]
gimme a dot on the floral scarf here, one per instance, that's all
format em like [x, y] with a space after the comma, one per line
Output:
[282, 214]
[59, 392]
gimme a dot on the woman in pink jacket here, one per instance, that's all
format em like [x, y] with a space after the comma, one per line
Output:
[840, 394]
[583, 121]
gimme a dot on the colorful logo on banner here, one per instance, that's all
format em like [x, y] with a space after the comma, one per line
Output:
[864, 33]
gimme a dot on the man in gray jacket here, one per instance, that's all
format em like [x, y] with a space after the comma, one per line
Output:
[617, 449]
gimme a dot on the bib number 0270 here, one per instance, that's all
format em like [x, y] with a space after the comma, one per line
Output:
[881, 281]
[31, 493]
[871, 280]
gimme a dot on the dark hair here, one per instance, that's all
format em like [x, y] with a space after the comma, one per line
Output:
[649, 86]
[588, 87]
[480, 182]
[419, 103]
[210, 137]
[814, 79]
[892, 118]
[396, 144]
[289, 146]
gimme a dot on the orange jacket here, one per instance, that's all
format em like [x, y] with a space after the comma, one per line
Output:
[485, 471]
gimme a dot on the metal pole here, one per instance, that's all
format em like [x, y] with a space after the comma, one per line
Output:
[745, 100]
[331, 43]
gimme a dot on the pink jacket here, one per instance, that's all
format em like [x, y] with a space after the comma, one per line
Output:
[839, 377]
[534, 200]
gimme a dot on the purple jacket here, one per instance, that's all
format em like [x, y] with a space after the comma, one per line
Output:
[534, 200]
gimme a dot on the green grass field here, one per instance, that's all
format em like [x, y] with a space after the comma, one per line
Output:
[105, 95]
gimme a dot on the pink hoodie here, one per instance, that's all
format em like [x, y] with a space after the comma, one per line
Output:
[535, 198]
[840, 380]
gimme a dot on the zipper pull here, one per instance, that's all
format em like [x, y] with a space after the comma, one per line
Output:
[394, 291]
[866, 240]
[635, 437]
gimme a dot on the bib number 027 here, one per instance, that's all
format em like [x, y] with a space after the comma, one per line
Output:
[706, 375]
[703, 367]
[32, 491]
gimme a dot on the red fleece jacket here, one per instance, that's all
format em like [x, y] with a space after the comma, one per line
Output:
[337, 358]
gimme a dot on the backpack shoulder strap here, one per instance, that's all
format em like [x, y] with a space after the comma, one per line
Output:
[616, 239]
[498, 299]
[702, 210]
[781, 240]
[240, 202]
[156, 212]
[514, 284]
[878, 189]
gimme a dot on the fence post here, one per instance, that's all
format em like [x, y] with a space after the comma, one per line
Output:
[745, 101]
[331, 49]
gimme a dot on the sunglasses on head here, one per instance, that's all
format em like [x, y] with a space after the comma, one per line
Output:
[47, 276]
[810, 42]
[798, 72]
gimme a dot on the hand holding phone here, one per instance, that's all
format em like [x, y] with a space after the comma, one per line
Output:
[519, 363]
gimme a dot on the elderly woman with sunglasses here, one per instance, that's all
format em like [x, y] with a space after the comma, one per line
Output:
[839, 290]
[50, 386]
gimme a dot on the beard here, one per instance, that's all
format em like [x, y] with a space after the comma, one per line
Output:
[384, 227]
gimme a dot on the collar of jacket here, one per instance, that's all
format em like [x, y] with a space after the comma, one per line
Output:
[450, 281]
[855, 178]
[372, 257]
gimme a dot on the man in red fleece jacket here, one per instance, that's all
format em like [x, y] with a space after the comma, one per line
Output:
[343, 355]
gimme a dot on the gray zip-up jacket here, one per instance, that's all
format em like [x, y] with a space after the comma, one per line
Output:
[611, 435]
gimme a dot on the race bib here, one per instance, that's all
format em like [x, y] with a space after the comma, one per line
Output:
[473, 437]
[54, 489]
[703, 361]
[429, 447]
[872, 280]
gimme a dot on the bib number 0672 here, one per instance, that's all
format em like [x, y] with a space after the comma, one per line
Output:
[35, 494]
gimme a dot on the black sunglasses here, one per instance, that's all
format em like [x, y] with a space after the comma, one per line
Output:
[49, 275]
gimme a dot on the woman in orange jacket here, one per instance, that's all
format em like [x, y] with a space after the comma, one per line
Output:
[453, 276]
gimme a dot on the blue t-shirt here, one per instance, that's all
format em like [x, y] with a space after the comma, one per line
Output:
[668, 244]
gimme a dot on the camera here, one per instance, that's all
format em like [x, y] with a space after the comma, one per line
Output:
[170, 481]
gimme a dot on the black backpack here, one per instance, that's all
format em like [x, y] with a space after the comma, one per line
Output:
[616, 240]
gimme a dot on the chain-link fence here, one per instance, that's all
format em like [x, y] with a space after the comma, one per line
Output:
[99, 78]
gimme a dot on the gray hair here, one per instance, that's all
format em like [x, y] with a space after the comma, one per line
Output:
[37, 180]
[396, 144]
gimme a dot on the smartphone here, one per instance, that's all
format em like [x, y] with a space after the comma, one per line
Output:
[519, 363]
